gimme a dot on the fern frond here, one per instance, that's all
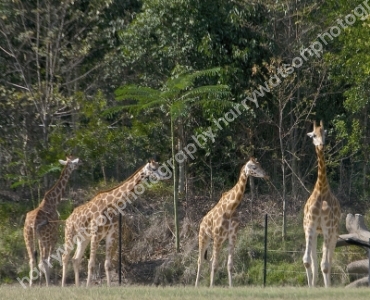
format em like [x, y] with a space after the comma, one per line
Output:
[142, 94]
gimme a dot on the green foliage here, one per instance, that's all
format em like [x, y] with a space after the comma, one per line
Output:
[12, 247]
[348, 61]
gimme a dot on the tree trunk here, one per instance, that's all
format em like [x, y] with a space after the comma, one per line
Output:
[211, 178]
[365, 147]
[282, 150]
[175, 189]
[181, 164]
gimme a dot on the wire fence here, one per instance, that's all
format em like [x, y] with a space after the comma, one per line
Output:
[339, 272]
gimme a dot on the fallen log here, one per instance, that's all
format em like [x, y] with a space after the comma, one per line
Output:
[358, 235]
[357, 229]
[358, 267]
[358, 283]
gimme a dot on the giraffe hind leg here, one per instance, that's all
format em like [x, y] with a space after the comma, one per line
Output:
[215, 255]
[43, 264]
[91, 264]
[202, 255]
[109, 247]
[76, 260]
[67, 249]
[32, 253]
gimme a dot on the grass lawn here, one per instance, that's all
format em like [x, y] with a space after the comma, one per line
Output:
[179, 292]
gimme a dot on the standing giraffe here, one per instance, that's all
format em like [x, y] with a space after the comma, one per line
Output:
[221, 222]
[97, 219]
[42, 223]
[321, 215]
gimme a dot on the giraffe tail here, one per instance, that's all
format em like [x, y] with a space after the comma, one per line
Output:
[34, 242]
[35, 255]
[43, 223]
[205, 254]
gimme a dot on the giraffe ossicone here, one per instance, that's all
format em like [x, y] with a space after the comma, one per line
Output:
[98, 219]
[321, 215]
[41, 224]
[221, 222]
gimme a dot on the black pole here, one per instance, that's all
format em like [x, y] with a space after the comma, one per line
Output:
[120, 249]
[265, 254]
[368, 270]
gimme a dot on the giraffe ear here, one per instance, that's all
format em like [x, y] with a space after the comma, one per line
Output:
[75, 161]
[310, 134]
[314, 124]
[62, 162]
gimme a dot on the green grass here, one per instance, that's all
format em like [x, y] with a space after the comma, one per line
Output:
[146, 292]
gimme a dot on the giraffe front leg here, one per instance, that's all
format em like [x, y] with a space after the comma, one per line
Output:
[232, 241]
[65, 258]
[314, 262]
[309, 257]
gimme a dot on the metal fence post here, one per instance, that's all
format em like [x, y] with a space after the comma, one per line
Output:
[368, 255]
[265, 255]
[120, 249]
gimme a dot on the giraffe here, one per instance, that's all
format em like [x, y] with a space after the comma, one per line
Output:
[42, 222]
[321, 215]
[97, 220]
[221, 222]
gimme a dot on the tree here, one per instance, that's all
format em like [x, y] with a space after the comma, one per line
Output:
[347, 61]
[49, 51]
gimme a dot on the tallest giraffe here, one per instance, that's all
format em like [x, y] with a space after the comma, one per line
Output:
[321, 215]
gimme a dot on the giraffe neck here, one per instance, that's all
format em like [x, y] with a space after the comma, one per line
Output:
[53, 196]
[125, 192]
[235, 195]
[322, 181]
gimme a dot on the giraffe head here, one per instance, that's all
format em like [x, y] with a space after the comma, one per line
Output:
[318, 135]
[152, 170]
[253, 168]
[71, 163]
